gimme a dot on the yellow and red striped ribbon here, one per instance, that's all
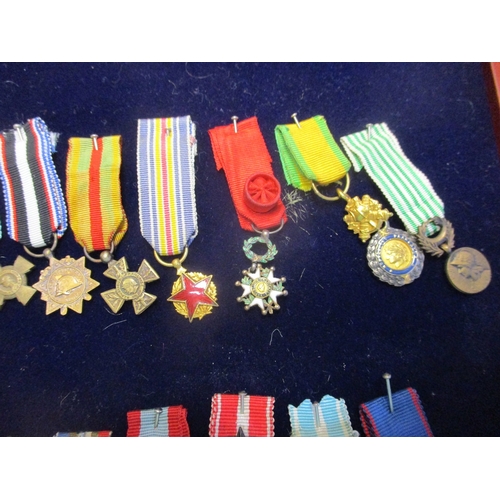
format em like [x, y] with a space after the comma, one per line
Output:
[93, 192]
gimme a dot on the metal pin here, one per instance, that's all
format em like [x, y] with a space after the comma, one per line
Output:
[387, 377]
[235, 119]
[158, 412]
[94, 140]
[242, 401]
[241, 433]
[316, 414]
[369, 127]
[294, 116]
[19, 129]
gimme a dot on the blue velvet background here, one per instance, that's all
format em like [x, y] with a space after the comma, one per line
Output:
[339, 328]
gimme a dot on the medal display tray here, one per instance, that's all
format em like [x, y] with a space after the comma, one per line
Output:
[338, 329]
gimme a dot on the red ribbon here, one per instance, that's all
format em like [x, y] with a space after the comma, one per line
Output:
[247, 164]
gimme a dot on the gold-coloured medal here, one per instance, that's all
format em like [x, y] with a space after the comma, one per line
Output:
[13, 282]
[129, 286]
[65, 284]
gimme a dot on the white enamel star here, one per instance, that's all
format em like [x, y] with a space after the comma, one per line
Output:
[262, 289]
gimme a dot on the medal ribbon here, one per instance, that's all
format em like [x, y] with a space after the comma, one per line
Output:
[95, 207]
[84, 434]
[310, 153]
[166, 149]
[407, 420]
[34, 199]
[256, 419]
[242, 155]
[172, 422]
[331, 420]
[408, 190]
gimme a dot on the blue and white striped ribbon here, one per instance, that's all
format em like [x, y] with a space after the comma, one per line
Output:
[166, 149]
[328, 418]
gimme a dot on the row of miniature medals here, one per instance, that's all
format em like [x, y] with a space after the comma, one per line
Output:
[394, 256]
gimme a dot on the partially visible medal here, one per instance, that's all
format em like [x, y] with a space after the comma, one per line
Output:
[467, 269]
[36, 214]
[311, 158]
[166, 150]
[240, 150]
[97, 217]
[415, 201]
[13, 282]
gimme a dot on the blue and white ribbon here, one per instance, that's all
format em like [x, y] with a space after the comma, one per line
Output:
[328, 418]
[166, 149]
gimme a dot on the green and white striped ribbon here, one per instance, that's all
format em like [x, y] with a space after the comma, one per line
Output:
[406, 188]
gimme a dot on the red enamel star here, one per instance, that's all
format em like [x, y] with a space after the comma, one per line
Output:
[193, 294]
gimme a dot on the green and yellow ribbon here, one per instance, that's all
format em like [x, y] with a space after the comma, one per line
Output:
[310, 154]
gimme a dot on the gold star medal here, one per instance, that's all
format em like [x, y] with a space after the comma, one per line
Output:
[193, 294]
[166, 152]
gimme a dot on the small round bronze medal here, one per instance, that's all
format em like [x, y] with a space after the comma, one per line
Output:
[468, 270]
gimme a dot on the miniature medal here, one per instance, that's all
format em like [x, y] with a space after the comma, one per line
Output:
[167, 206]
[97, 217]
[13, 282]
[260, 287]
[393, 255]
[467, 269]
[65, 284]
[193, 294]
[415, 201]
[129, 286]
[241, 152]
[36, 214]
[311, 158]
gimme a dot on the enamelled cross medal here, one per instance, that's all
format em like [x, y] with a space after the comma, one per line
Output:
[240, 150]
[422, 211]
[97, 217]
[36, 213]
[311, 158]
[166, 150]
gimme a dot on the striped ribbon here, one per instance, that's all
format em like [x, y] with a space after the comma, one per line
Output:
[242, 155]
[407, 189]
[407, 420]
[328, 418]
[84, 434]
[256, 419]
[166, 148]
[34, 199]
[93, 192]
[309, 153]
[172, 422]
